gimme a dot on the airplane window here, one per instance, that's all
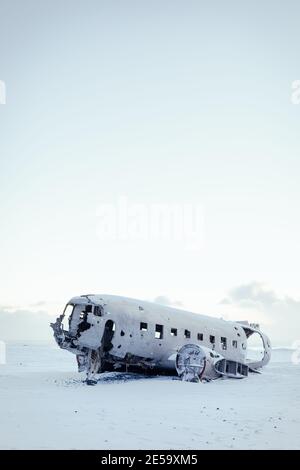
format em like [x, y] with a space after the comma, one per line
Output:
[200, 336]
[212, 339]
[223, 342]
[68, 310]
[98, 310]
[159, 330]
[82, 313]
[187, 334]
[173, 331]
[234, 343]
[143, 326]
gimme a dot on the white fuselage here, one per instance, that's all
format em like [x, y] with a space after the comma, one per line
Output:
[141, 331]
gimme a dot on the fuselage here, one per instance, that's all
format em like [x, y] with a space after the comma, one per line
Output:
[133, 332]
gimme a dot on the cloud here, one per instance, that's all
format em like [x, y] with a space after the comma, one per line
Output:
[163, 300]
[280, 316]
[9, 307]
[41, 303]
[22, 325]
[255, 292]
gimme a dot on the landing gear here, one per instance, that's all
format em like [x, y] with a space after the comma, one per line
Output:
[95, 362]
[93, 366]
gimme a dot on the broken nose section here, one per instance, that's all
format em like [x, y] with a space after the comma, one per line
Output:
[58, 331]
[63, 337]
[88, 360]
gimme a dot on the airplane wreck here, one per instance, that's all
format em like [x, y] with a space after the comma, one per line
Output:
[112, 333]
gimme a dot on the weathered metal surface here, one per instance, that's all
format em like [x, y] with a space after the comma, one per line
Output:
[116, 333]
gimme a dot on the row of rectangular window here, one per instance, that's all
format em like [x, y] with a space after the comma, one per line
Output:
[159, 334]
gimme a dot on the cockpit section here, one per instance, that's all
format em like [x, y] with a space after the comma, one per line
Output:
[77, 318]
[81, 331]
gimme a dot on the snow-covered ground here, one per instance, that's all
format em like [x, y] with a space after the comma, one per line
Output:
[45, 405]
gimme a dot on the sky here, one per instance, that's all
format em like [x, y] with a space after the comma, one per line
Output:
[174, 103]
